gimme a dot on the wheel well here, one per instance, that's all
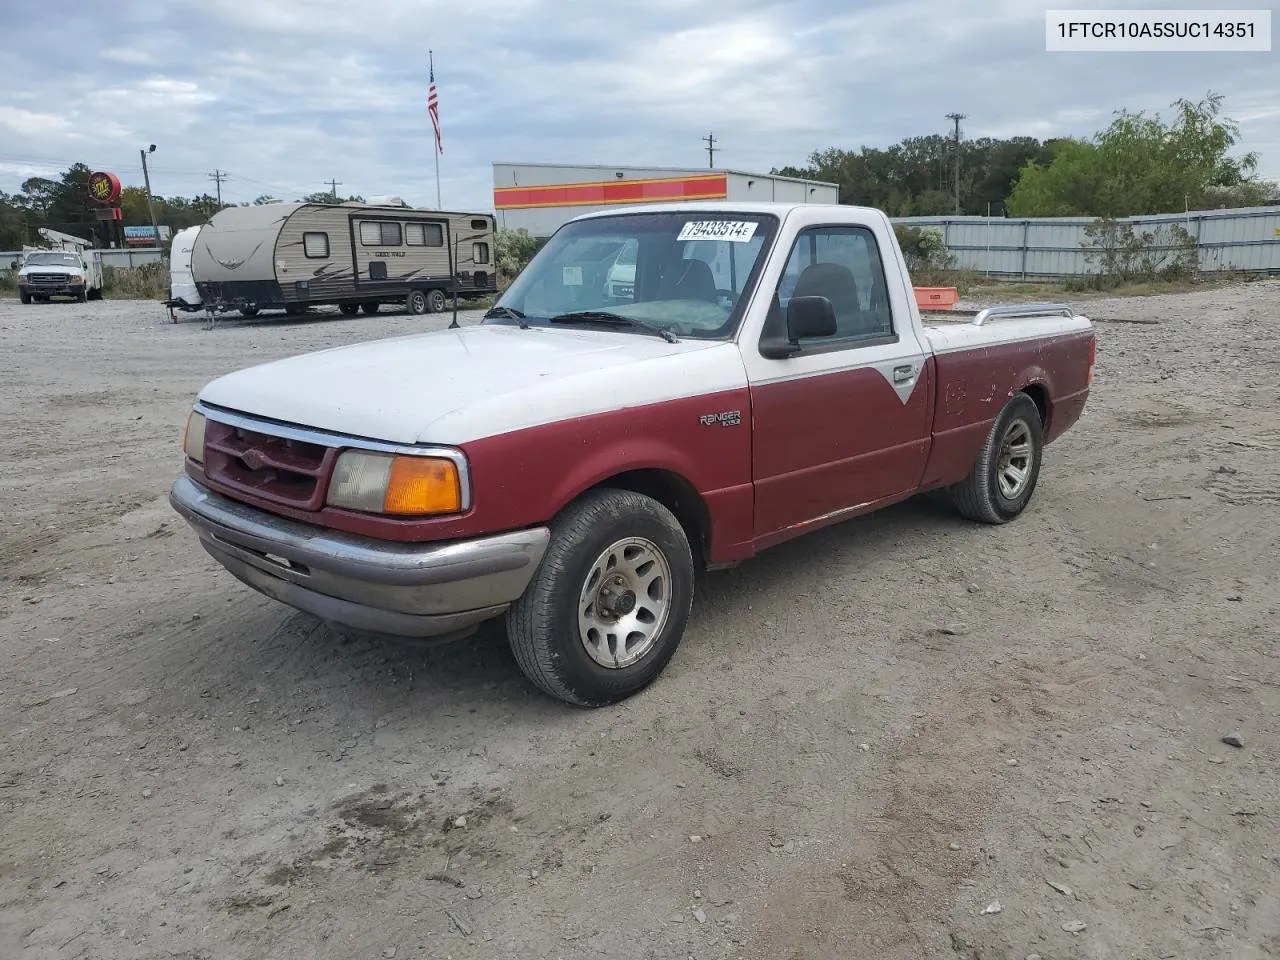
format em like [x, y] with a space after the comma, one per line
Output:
[1040, 397]
[676, 494]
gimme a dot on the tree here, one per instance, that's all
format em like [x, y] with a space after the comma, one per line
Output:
[1139, 164]
[327, 197]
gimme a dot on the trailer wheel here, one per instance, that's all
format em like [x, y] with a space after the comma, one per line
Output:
[248, 311]
[370, 307]
[609, 604]
[416, 302]
[435, 301]
[1002, 481]
[348, 309]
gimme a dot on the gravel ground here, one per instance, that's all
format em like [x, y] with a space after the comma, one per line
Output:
[869, 738]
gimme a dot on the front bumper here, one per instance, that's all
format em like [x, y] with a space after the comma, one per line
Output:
[405, 589]
[51, 289]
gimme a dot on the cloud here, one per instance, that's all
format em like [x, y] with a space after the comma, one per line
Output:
[286, 94]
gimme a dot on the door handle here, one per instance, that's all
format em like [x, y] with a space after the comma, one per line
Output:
[903, 374]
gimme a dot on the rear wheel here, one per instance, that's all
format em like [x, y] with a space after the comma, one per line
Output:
[295, 309]
[416, 302]
[370, 307]
[1004, 478]
[435, 301]
[348, 309]
[610, 601]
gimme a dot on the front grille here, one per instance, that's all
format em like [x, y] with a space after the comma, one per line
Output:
[284, 471]
[48, 278]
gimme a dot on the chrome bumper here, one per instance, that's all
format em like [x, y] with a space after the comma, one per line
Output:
[406, 589]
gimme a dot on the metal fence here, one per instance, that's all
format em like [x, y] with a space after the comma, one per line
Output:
[1245, 239]
[110, 258]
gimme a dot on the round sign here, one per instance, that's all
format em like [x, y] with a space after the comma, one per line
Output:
[104, 187]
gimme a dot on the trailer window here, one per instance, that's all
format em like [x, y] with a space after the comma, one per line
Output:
[424, 235]
[379, 233]
[479, 224]
[480, 252]
[315, 245]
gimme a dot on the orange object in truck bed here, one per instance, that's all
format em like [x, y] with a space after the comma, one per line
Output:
[936, 298]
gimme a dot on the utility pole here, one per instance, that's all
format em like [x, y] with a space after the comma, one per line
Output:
[711, 149]
[217, 177]
[333, 188]
[146, 177]
[957, 117]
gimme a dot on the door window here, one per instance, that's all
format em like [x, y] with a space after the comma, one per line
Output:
[843, 264]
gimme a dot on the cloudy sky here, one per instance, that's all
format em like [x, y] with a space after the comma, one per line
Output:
[286, 94]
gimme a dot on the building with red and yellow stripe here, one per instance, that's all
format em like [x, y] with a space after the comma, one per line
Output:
[540, 197]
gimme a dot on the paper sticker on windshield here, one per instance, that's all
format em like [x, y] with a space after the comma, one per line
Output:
[573, 276]
[735, 231]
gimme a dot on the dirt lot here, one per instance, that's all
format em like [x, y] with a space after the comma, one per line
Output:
[869, 736]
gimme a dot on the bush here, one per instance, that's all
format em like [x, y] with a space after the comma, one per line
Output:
[1122, 255]
[8, 280]
[923, 248]
[515, 249]
[148, 281]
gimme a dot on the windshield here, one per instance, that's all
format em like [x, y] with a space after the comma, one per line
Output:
[61, 259]
[686, 272]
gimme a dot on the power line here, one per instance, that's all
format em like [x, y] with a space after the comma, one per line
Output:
[217, 177]
[710, 141]
[957, 117]
[333, 187]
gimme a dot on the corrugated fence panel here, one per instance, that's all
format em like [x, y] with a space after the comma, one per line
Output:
[1246, 239]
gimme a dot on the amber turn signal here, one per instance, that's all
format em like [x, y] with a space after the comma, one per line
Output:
[422, 485]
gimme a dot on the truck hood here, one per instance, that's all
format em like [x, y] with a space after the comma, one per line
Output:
[38, 268]
[453, 386]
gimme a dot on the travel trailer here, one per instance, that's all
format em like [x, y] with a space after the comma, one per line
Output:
[292, 256]
[183, 294]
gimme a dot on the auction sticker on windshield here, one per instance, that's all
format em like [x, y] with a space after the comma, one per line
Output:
[736, 231]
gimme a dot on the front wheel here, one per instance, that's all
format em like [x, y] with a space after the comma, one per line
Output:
[610, 601]
[1002, 481]
[24, 296]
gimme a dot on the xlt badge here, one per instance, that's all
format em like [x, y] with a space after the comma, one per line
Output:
[730, 418]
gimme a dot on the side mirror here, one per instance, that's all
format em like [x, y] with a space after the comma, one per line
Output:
[806, 317]
[810, 317]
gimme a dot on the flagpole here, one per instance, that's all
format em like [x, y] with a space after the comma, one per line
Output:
[435, 146]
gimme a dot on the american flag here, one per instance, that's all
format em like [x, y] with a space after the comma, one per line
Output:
[433, 108]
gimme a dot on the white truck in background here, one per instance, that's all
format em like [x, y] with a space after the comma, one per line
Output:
[66, 268]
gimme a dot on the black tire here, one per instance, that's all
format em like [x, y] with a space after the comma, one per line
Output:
[248, 311]
[543, 625]
[435, 301]
[416, 302]
[24, 296]
[82, 296]
[981, 496]
[95, 294]
[348, 309]
[370, 308]
[296, 309]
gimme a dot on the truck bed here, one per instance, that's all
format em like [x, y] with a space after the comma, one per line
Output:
[951, 330]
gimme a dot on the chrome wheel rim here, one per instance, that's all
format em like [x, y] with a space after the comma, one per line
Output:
[437, 300]
[1013, 468]
[417, 303]
[624, 603]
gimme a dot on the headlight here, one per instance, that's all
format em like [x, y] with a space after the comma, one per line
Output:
[395, 484]
[77, 279]
[193, 437]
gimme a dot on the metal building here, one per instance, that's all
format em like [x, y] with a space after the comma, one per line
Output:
[541, 196]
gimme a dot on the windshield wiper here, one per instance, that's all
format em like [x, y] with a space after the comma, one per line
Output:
[604, 316]
[510, 313]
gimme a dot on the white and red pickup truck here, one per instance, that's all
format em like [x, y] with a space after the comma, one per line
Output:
[576, 460]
